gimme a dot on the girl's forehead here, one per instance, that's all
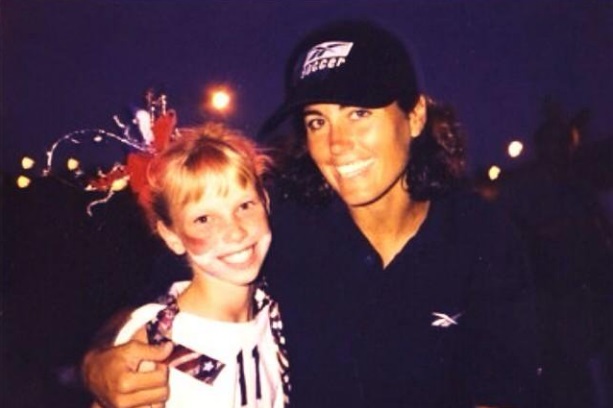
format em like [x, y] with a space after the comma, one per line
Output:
[216, 186]
[221, 188]
[216, 199]
[226, 180]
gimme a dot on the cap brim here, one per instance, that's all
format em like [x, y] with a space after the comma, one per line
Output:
[288, 108]
[278, 117]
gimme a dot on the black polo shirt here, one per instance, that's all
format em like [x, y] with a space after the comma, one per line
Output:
[448, 323]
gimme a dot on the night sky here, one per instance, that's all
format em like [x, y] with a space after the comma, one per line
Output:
[70, 65]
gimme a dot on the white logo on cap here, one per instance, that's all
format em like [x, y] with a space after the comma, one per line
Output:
[327, 55]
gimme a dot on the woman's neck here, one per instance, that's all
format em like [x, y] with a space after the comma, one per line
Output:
[218, 300]
[390, 222]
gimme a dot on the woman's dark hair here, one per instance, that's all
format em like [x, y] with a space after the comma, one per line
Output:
[437, 159]
[436, 162]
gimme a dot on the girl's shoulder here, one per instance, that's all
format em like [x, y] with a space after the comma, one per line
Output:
[137, 320]
[146, 313]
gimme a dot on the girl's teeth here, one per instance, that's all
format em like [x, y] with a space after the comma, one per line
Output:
[238, 257]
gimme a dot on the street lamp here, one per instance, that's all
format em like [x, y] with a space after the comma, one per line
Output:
[218, 100]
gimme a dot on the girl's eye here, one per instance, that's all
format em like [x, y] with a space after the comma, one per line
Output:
[203, 219]
[314, 123]
[360, 114]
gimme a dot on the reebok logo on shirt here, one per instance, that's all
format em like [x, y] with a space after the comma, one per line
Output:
[443, 320]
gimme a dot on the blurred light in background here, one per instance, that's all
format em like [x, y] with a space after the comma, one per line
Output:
[494, 172]
[72, 164]
[27, 163]
[218, 99]
[23, 181]
[515, 148]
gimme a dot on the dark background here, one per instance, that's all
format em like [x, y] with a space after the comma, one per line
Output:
[70, 65]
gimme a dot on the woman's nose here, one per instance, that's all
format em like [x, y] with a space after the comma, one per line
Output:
[340, 139]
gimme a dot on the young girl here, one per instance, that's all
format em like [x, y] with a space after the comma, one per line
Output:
[208, 204]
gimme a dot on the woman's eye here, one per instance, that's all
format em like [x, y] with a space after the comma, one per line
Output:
[314, 123]
[247, 205]
[360, 113]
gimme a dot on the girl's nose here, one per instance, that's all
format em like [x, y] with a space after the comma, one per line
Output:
[236, 231]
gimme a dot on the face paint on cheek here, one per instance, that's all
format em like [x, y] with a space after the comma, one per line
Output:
[203, 260]
[196, 245]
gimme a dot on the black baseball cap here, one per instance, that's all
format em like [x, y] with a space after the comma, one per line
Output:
[356, 63]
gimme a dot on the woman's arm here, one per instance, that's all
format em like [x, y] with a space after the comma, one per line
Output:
[111, 372]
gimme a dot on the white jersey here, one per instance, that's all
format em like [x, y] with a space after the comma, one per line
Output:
[250, 375]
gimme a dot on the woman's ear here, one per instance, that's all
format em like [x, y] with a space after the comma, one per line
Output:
[418, 116]
[172, 240]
